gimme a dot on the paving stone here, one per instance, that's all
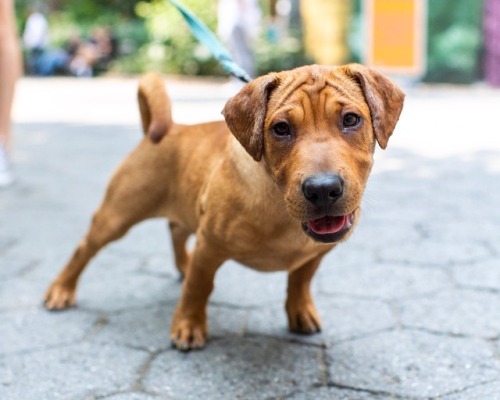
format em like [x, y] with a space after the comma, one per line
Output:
[45, 243]
[373, 234]
[145, 328]
[134, 396]
[224, 322]
[130, 253]
[355, 252]
[244, 287]
[7, 241]
[237, 368]
[333, 393]
[485, 275]
[342, 319]
[109, 290]
[458, 312]
[149, 327]
[17, 266]
[18, 286]
[412, 364]
[487, 391]
[152, 235]
[429, 224]
[383, 281]
[42, 329]
[442, 222]
[106, 263]
[159, 264]
[21, 293]
[71, 372]
[435, 251]
[271, 320]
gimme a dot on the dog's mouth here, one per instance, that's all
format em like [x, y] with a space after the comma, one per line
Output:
[328, 229]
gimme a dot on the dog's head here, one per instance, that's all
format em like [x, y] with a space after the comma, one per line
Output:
[315, 128]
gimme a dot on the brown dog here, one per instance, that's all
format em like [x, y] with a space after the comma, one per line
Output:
[277, 194]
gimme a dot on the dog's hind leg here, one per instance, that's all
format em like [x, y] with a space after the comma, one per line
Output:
[124, 205]
[132, 195]
[179, 239]
[106, 227]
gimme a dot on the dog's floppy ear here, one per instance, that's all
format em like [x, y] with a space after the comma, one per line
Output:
[245, 114]
[385, 100]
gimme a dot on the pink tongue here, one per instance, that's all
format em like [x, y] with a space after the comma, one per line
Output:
[327, 224]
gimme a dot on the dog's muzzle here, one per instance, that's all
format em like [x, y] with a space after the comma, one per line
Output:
[322, 191]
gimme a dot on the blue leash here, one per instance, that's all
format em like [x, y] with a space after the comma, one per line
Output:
[206, 36]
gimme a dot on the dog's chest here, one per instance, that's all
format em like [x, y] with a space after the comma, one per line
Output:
[285, 253]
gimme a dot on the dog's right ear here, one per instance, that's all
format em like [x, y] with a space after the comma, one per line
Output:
[245, 114]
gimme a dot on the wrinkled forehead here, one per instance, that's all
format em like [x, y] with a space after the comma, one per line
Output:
[316, 88]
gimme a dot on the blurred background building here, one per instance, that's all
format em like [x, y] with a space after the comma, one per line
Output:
[459, 39]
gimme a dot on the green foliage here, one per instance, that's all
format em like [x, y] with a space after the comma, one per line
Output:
[80, 11]
[286, 53]
[62, 27]
[454, 44]
[90, 10]
[172, 47]
[152, 35]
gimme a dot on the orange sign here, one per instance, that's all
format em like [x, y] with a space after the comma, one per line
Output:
[396, 35]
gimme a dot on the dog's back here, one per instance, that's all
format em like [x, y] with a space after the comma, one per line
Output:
[173, 161]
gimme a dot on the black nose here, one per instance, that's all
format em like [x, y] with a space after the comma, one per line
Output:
[323, 189]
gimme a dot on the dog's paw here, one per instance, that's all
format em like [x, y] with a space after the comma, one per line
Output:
[59, 297]
[303, 319]
[186, 334]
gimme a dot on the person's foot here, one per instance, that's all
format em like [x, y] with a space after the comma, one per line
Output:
[6, 176]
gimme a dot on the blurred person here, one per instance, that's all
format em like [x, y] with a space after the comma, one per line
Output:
[106, 46]
[35, 39]
[10, 70]
[94, 54]
[238, 24]
[52, 62]
[84, 58]
[492, 42]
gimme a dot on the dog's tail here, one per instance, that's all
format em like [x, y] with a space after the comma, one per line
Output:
[154, 104]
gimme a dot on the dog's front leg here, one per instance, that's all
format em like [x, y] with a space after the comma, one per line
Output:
[189, 325]
[302, 315]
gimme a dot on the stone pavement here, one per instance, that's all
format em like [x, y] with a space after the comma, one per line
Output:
[410, 305]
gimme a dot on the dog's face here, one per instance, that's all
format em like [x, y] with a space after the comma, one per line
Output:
[315, 128]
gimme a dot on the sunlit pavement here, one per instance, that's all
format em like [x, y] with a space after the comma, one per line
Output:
[410, 305]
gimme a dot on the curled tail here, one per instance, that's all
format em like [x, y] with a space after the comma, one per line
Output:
[154, 105]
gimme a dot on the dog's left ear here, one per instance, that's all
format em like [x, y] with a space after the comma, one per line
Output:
[245, 114]
[385, 100]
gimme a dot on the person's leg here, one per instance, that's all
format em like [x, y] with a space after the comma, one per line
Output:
[241, 50]
[10, 68]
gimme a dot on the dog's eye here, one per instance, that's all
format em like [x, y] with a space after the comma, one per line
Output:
[351, 120]
[281, 129]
